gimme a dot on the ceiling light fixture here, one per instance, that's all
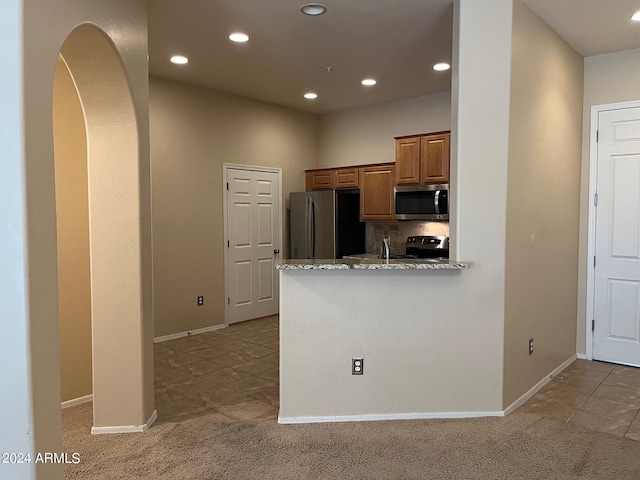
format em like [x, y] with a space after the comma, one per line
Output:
[310, 96]
[368, 82]
[313, 9]
[239, 37]
[179, 59]
[441, 67]
[636, 16]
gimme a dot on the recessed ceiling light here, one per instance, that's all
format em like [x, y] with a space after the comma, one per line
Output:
[179, 59]
[239, 37]
[368, 82]
[313, 9]
[636, 16]
[441, 67]
[310, 95]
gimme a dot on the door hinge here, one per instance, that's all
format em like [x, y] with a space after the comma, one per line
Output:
[594, 260]
[593, 325]
[597, 136]
[228, 245]
[595, 199]
[228, 300]
[227, 185]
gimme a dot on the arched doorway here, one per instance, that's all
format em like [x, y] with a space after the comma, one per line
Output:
[119, 236]
[72, 225]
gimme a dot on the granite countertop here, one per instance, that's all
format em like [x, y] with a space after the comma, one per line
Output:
[370, 264]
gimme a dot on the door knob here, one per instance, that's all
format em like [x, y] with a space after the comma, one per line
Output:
[276, 251]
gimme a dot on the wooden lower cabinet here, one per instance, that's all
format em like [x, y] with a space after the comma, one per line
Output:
[376, 192]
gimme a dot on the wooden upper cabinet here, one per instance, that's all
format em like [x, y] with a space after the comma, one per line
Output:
[422, 159]
[319, 179]
[376, 192]
[434, 158]
[346, 178]
[407, 161]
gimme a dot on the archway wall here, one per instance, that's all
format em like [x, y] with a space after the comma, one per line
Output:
[115, 229]
[72, 219]
[33, 32]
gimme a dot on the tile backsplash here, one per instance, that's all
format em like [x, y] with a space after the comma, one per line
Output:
[399, 231]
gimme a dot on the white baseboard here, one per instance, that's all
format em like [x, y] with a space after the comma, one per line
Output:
[126, 428]
[582, 356]
[77, 401]
[386, 416]
[532, 391]
[173, 336]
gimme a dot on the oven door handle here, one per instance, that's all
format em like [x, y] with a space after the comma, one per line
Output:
[436, 202]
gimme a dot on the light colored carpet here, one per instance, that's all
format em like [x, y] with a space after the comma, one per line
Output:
[520, 446]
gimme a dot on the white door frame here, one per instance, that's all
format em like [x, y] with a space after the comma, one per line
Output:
[235, 166]
[591, 236]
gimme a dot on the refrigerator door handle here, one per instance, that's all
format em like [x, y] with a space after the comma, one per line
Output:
[307, 227]
[313, 229]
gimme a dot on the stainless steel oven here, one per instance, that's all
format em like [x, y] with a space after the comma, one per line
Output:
[422, 202]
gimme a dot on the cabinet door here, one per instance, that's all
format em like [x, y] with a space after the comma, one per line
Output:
[376, 192]
[319, 180]
[408, 161]
[434, 162]
[346, 178]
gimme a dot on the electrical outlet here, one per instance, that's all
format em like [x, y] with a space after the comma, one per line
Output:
[200, 300]
[357, 366]
[530, 345]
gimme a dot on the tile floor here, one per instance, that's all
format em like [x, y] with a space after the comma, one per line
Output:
[596, 395]
[233, 374]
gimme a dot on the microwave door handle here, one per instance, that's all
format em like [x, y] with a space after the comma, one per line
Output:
[437, 202]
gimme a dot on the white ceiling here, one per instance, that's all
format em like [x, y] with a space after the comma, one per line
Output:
[394, 41]
[592, 27]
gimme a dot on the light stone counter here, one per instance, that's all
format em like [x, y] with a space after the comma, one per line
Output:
[371, 264]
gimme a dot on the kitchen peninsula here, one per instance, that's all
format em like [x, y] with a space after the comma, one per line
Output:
[394, 314]
[353, 263]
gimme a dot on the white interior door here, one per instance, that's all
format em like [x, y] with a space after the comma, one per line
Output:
[616, 335]
[253, 243]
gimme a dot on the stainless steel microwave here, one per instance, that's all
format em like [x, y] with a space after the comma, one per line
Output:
[422, 202]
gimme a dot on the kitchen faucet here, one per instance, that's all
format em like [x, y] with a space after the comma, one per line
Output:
[384, 248]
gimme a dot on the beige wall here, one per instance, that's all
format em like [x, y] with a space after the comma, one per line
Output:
[72, 220]
[194, 131]
[366, 134]
[425, 348]
[32, 34]
[119, 221]
[610, 78]
[542, 203]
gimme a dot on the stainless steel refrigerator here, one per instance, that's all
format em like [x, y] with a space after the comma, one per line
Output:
[325, 224]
